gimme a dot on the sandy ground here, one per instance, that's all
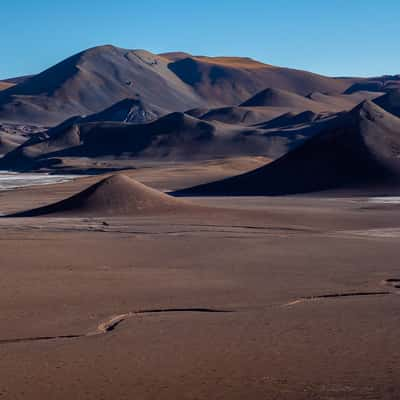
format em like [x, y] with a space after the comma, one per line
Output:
[252, 298]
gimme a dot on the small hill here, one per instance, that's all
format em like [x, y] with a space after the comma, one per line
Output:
[117, 195]
[197, 112]
[358, 149]
[290, 119]
[173, 137]
[242, 115]
[9, 142]
[273, 97]
[130, 110]
[342, 102]
[271, 104]
[67, 134]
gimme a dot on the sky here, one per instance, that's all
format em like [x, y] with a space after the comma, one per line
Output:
[330, 37]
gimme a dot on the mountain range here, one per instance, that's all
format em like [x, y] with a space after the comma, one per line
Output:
[132, 104]
[96, 78]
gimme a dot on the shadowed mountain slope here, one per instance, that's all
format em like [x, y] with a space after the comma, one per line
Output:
[173, 137]
[390, 102]
[377, 84]
[10, 82]
[290, 119]
[360, 148]
[66, 134]
[18, 79]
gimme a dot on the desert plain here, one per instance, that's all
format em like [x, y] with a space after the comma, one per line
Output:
[210, 228]
[240, 297]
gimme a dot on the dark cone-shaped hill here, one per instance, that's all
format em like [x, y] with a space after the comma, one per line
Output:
[117, 195]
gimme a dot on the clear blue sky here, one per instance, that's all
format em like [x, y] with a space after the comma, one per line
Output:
[332, 37]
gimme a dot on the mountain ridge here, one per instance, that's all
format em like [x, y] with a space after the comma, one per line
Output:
[96, 78]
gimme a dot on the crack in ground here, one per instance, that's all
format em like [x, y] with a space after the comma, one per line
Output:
[39, 338]
[336, 295]
[394, 282]
[110, 324]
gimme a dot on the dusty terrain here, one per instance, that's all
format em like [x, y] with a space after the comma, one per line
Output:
[258, 298]
[119, 286]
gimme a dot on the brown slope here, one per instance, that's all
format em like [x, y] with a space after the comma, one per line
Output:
[230, 62]
[273, 97]
[342, 102]
[5, 85]
[359, 148]
[92, 80]
[96, 78]
[18, 79]
[117, 195]
[9, 141]
[232, 80]
[8, 83]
